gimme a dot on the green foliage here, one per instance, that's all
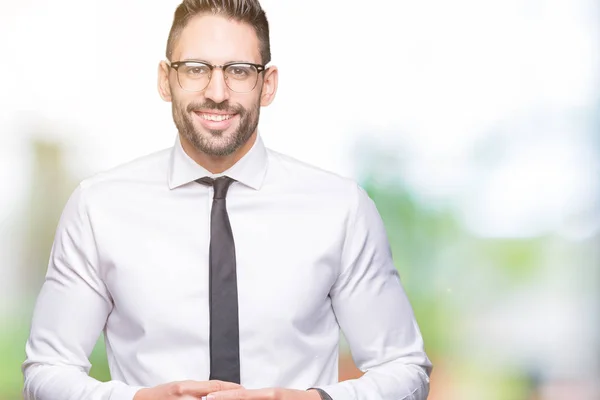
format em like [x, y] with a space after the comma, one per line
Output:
[517, 259]
[417, 238]
[99, 362]
[12, 349]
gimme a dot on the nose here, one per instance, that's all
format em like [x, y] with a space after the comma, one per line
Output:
[217, 89]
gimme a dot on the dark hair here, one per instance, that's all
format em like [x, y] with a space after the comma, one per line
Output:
[248, 11]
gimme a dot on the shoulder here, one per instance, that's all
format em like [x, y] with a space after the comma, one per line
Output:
[310, 181]
[285, 168]
[143, 172]
[140, 169]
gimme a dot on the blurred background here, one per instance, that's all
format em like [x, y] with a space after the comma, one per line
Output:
[473, 124]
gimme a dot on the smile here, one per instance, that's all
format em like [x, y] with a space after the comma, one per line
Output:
[215, 117]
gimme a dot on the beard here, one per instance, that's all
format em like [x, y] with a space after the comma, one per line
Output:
[216, 142]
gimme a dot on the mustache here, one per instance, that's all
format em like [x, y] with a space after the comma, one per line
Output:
[214, 106]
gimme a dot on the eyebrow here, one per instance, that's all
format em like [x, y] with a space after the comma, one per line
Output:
[210, 63]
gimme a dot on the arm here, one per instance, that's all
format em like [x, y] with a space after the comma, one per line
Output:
[376, 317]
[70, 313]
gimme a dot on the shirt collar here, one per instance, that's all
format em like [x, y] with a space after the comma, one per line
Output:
[250, 170]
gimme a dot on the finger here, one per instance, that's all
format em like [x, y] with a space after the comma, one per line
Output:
[199, 389]
[244, 394]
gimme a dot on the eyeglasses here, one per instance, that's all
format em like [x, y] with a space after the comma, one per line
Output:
[194, 76]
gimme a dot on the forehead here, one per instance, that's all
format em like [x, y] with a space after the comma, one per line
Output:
[218, 40]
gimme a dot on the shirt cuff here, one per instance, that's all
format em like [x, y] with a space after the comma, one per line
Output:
[339, 391]
[322, 393]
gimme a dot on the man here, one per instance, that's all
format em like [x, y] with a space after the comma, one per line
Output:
[219, 268]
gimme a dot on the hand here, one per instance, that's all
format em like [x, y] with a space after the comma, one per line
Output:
[264, 394]
[185, 390]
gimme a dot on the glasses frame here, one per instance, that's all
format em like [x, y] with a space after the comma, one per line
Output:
[176, 64]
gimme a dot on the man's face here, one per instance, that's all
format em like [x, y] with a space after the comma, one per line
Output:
[216, 121]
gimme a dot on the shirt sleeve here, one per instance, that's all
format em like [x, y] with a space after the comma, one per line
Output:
[375, 315]
[70, 313]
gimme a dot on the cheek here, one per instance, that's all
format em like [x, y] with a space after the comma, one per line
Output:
[176, 105]
[178, 95]
[180, 101]
[251, 105]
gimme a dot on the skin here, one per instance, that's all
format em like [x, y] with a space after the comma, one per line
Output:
[217, 40]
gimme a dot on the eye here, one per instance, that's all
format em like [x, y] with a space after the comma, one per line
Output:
[239, 71]
[195, 70]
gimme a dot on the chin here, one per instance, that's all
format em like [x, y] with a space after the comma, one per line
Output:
[214, 145]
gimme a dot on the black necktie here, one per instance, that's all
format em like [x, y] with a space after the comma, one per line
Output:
[223, 299]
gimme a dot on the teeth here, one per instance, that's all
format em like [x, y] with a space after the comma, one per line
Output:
[216, 118]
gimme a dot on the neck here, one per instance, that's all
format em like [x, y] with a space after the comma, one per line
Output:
[217, 164]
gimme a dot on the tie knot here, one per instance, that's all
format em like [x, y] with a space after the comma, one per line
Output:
[220, 185]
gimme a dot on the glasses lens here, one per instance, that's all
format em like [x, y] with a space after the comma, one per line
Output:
[241, 78]
[193, 76]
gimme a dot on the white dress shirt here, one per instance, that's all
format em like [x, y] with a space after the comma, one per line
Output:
[130, 258]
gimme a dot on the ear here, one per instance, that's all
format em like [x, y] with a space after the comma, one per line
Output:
[164, 88]
[269, 86]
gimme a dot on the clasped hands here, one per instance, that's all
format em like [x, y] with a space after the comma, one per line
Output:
[220, 390]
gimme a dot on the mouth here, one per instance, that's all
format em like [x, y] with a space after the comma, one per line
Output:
[215, 120]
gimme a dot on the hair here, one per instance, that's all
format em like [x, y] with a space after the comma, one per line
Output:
[247, 11]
